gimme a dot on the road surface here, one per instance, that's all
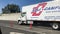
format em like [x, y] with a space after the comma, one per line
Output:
[12, 25]
[7, 30]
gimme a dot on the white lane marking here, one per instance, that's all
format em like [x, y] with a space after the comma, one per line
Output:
[15, 33]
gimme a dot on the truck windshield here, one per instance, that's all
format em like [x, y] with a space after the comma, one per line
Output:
[23, 14]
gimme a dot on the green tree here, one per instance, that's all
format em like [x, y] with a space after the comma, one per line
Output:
[11, 8]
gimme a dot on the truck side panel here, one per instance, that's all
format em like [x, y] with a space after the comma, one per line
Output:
[46, 11]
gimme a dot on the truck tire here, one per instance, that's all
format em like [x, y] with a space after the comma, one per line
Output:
[19, 22]
[55, 26]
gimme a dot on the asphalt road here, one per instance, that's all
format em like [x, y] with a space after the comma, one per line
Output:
[6, 30]
[12, 26]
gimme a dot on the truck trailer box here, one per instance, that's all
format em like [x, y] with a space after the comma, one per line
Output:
[46, 12]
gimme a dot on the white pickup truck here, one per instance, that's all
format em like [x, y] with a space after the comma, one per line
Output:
[46, 12]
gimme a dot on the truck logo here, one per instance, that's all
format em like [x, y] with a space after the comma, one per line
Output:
[38, 10]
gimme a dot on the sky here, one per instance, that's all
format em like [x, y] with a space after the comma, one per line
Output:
[21, 3]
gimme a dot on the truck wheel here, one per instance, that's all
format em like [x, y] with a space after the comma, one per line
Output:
[55, 26]
[19, 22]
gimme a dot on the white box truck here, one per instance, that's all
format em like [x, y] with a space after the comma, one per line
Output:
[41, 12]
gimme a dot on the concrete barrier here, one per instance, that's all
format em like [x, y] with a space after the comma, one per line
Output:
[12, 16]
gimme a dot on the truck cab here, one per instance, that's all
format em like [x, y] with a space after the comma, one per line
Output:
[22, 18]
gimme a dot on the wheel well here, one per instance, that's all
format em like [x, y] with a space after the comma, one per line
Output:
[55, 22]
